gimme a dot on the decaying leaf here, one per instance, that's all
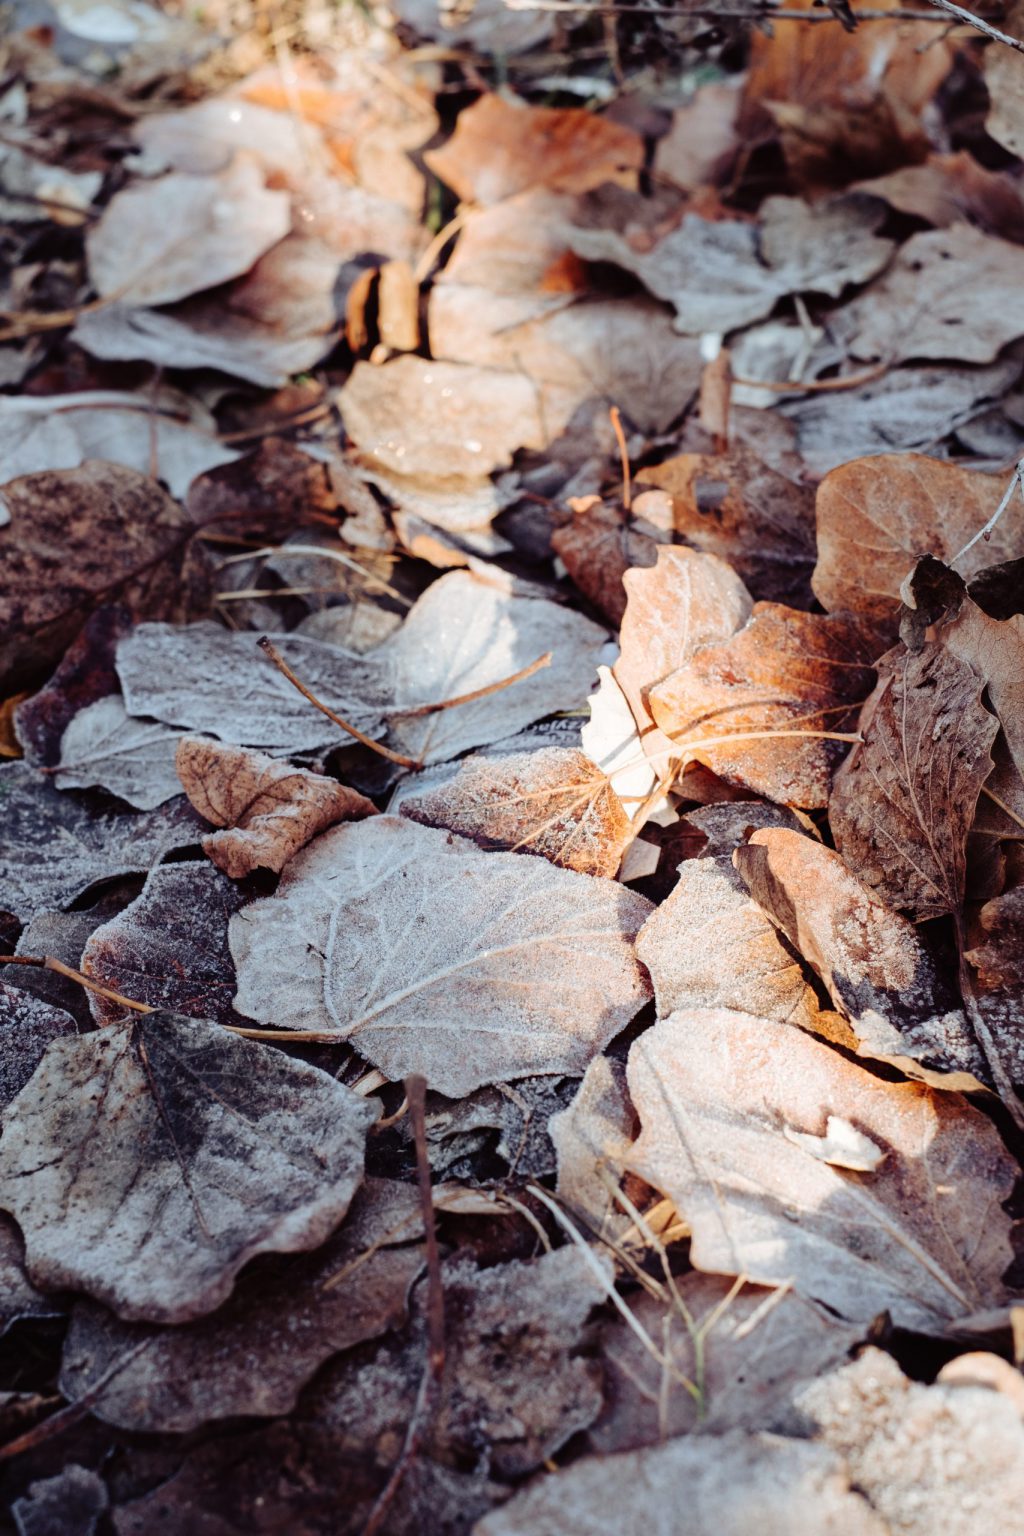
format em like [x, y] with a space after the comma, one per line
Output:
[252, 1356]
[554, 802]
[20, 1296]
[939, 1460]
[85, 673]
[27, 1026]
[268, 494]
[732, 1484]
[54, 847]
[785, 671]
[146, 1163]
[877, 516]
[592, 1137]
[209, 679]
[729, 824]
[924, 1237]
[269, 809]
[168, 947]
[465, 634]
[105, 747]
[597, 549]
[502, 147]
[904, 800]
[78, 538]
[72, 1503]
[710, 946]
[162, 240]
[432, 957]
[876, 968]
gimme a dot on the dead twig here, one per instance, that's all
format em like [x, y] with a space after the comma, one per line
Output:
[419, 710]
[620, 438]
[48, 963]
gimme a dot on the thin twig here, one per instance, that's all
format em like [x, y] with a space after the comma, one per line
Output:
[269, 649]
[712, 13]
[48, 963]
[291, 551]
[985, 27]
[429, 1394]
[620, 438]
[816, 386]
[983, 533]
[65, 1418]
[477, 693]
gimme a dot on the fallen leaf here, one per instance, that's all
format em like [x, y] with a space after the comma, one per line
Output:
[28, 1024]
[162, 240]
[721, 275]
[904, 800]
[998, 952]
[168, 947]
[878, 972]
[553, 802]
[372, 922]
[20, 1296]
[208, 679]
[922, 1238]
[509, 1121]
[701, 140]
[72, 1503]
[465, 634]
[736, 506]
[104, 747]
[1003, 80]
[502, 147]
[267, 495]
[490, 27]
[784, 671]
[253, 1355]
[734, 1483]
[755, 1346]
[877, 516]
[887, 1428]
[62, 935]
[270, 809]
[78, 538]
[953, 189]
[611, 739]
[597, 549]
[921, 307]
[146, 1163]
[85, 673]
[728, 825]
[55, 847]
[710, 946]
[994, 649]
[592, 1137]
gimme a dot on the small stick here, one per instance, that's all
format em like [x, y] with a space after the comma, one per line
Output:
[816, 386]
[282, 666]
[983, 533]
[620, 438]
[48, 963]
[477, 693]
[64, 1418]
[985, 27]
[430, 1383]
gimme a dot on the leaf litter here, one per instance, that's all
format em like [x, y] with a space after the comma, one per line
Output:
[545, 488]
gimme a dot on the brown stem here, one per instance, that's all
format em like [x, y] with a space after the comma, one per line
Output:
[48, 963]
[477, 693]
[282, 666]
[620, 438]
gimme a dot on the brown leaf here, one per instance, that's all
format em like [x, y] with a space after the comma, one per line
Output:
[597, 549]
[553, 802]
[85, 674]
[998, 952]
[270, 808]
[701, 140]
[904, 800]
[784, 671]
[78, 538]
[877, 516]
[954, 189]
[501, 147]
[255, 1352]
[168, 947]
[735, 1112]
[266, 495]
[433, 957]
[994, 650]
[878, 972]
[146, 1163]
[737, 506]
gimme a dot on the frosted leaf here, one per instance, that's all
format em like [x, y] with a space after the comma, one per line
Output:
[18, 1296]
[592, 1137]
[465, 633]
[147, 1162]
[432, 957]
[53, 848]
[210, 679]
[71, 1503]
[27, 1027]
[105, 747]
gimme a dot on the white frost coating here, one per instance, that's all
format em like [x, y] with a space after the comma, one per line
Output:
[842, 1146]
[134, 759]
[432, 957]
[464, 634]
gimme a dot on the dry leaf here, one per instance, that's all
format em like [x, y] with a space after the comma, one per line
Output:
[953, 189]
[465, 634]
[72, 1503]
[168, 947]
[936, 1460]
[28, 1025]
[209, 679]
[994, 650]
[877, 970]
[552, 802]
[266, 495]
[736, 506]
[597, 549]
[701, 140]
[923, 1238]
[922, 307]
[253, 1355]
[20, 1297]
[432, 957]
[998, 952]
[710, 946]
[146, 1163]
[728, 825]
[904, 800]
[611, 740]
[54, 848]
[162, 240]
[728, 1485]
[785, 671]
[78, 538]
[62, 935]
[85, 673]
[878, 516]
[1003, 78]
[105, 747]
[502, 147]
[270, 808]
[592, 1137]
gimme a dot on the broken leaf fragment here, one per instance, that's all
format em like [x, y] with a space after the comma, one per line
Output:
[146, 1163]
[430, 956]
